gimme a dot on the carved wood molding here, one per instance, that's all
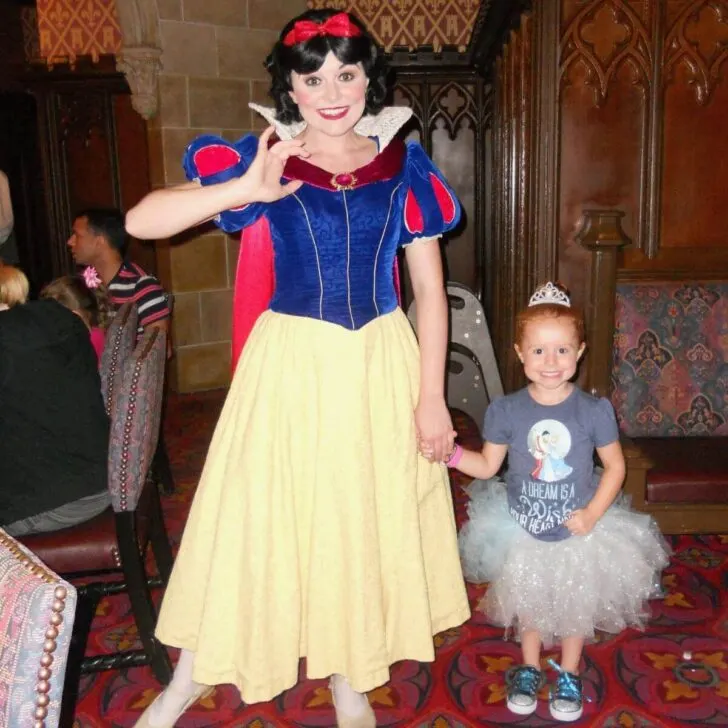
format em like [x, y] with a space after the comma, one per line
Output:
[602, 37]
[451, 101]
[140, 59]
[492, 25]
[683, 46]
[546, 157]
[82, 116]
[602, 235]
[454, 104]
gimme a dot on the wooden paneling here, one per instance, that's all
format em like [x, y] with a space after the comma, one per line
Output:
[520, 246]
[86, 144]
[448, 124]
[606, 104]
[133, 169]
[11, 45]
[94, 149]
[695, 167]
[644, 108]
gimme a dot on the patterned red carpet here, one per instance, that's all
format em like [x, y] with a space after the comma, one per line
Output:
[674, 674]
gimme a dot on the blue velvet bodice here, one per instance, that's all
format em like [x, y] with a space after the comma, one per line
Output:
[334, 253]
[334, 249]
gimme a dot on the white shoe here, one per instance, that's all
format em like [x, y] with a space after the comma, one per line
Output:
[145, 720]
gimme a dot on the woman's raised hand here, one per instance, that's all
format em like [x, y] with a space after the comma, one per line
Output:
[263, 178]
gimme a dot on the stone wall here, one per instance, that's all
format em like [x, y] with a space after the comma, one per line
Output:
[213, 52]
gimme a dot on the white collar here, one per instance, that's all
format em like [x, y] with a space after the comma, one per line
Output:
[383, 125]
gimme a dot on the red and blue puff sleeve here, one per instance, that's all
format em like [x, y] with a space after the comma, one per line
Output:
[430, 207]
[210, 160]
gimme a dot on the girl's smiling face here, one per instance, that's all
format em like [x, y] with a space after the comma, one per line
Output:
[549, 351]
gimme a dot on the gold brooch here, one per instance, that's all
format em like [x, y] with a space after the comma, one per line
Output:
[343, 181]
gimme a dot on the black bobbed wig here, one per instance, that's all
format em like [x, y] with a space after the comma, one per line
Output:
[309, 56]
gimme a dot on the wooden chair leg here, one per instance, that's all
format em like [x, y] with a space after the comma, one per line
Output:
[161, 467]
[160, 541]
[140, 597]
[85, 610]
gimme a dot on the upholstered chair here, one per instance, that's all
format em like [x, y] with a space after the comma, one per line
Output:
[121, 339]
[36, 620]
[116, 542]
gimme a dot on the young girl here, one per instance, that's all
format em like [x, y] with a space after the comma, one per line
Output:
[562, 559]
[325, 536]
[14, 287]
[85, 296]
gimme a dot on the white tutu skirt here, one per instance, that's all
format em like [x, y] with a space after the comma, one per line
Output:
[568, 588]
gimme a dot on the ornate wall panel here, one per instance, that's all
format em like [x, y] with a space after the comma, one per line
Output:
[521, 247]
[413, 23]
[512, 256]
[695, 134]
[447, 123]
[694, 170]
[603, 164]
[600, 37]
[607, 105]
[71, 28]
[94, 151]
[697, 40]
[661, 64]
[606, 89]
[31, 40]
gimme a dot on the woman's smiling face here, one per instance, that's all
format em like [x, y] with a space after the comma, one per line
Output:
[332, 99]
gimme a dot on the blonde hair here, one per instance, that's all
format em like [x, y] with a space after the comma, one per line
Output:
[14, 286]
[92, 304]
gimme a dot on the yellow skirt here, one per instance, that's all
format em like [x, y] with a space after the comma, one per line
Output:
[317, 530]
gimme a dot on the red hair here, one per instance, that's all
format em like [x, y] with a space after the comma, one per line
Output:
[549, 310]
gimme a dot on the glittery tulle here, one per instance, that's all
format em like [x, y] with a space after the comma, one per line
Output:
[568, 588]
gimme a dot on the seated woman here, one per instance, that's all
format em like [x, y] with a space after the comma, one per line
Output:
[54, 432]
[85, 296]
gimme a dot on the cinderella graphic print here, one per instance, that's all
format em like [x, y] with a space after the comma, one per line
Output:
[549, 442]
[550, 455]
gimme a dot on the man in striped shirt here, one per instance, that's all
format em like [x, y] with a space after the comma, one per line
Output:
[99, 239]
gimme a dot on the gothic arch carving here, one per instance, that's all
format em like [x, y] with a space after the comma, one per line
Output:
[140, 59]
[618, 36]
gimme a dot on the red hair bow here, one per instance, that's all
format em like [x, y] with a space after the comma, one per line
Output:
[339, 26]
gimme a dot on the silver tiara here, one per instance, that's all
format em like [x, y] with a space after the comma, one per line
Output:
[549, 293]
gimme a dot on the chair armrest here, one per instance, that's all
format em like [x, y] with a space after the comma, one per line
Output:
[638, 465]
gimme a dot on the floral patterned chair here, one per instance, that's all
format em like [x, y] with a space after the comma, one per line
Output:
[36, 620]
[115, 543]
[670, 393]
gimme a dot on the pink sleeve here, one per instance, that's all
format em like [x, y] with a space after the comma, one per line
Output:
[98, 339]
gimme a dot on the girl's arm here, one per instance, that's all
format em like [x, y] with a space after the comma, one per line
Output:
[432, 418]
[582, 521]
[168, 211]
[484, 464]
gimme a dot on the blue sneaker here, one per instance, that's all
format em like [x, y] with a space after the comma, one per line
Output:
[566, 702]
[523, 683]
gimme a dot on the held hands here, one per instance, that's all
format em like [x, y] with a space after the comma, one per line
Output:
[263, 177]
[435, 435]
[581, 522]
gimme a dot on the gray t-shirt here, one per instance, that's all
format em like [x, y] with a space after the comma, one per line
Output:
[550, 455]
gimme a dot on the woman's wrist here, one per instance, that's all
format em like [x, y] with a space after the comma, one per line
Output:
[431, 397]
